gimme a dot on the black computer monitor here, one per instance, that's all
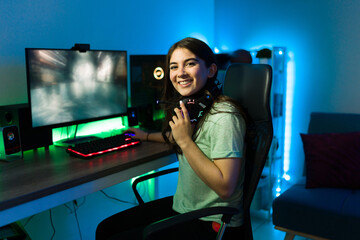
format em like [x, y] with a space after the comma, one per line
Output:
[147, 82]
[68, 87]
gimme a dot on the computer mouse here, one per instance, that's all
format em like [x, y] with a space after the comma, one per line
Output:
[129, 133]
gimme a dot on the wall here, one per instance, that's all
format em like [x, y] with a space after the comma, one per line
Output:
[138, 26]
[322, 40]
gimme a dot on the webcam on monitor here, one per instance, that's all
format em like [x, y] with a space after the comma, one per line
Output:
[81, 47]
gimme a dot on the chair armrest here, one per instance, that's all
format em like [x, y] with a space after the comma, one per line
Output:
[149, 176]
[227, 212]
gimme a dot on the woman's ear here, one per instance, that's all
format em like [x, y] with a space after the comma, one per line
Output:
[212, 70]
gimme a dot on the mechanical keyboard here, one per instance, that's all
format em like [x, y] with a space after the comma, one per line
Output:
[102, 145]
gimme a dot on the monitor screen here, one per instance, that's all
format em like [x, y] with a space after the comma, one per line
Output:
[68, 87]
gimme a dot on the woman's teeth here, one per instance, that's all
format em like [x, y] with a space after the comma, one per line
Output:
[184, 82]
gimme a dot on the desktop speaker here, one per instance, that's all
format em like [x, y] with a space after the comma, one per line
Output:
[9, 115]
[20, 115]
[10, 144]
[132, 117]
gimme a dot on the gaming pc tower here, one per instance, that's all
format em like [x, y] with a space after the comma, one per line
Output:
[147, 79]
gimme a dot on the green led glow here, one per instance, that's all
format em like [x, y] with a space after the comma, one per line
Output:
[158, 115]
[149, 185]
[102, 128]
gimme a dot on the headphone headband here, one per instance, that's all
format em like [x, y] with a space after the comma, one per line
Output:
[197, 104]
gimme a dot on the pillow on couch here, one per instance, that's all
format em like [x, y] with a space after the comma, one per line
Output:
[332, 160]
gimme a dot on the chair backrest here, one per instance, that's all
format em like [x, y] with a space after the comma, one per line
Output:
[250, 85]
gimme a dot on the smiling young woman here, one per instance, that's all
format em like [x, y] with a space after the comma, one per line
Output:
[188, 73]
[210, 151]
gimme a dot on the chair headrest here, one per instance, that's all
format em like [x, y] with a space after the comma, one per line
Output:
[250, 85]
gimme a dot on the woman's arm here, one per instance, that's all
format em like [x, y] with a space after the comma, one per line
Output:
[145, 136]
[221, 175]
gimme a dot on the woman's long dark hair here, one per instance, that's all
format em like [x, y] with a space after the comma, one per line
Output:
[204, 52]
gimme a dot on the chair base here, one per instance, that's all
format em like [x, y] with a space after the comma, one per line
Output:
[290, 234]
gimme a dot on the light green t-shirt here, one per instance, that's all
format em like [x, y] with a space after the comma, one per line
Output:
[221, 136]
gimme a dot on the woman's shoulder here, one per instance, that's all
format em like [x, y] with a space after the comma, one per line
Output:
[223, 110]
[224, 115]
[223, 107]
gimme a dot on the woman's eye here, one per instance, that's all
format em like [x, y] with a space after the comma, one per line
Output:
[191, 63]
[173, 67]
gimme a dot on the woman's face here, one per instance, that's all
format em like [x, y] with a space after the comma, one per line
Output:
[188, 73]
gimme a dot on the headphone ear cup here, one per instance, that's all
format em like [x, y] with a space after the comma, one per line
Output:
[197, 107]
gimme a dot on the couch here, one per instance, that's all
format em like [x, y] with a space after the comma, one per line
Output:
[325, 203]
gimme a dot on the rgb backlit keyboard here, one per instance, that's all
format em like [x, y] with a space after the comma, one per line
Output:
[103, 145]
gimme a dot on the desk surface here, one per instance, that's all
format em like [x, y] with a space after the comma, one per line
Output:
[44, 172]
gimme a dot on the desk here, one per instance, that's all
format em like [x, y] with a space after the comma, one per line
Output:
[44, 179]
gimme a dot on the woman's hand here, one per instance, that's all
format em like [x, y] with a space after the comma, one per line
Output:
[146, 136]
[222, 174]
[139, 134]
[181, 126]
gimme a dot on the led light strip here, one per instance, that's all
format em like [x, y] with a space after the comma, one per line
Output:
[104, 151]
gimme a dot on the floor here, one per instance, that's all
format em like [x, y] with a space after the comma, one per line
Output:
[263, 229]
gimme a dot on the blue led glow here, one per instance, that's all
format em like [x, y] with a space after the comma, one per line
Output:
[288, 110]
[286, 177]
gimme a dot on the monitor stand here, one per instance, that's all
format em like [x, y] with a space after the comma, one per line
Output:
[73, 141]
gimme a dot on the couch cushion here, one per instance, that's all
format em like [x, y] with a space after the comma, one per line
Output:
[332, 160]
[330, 212]
[351, 205]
